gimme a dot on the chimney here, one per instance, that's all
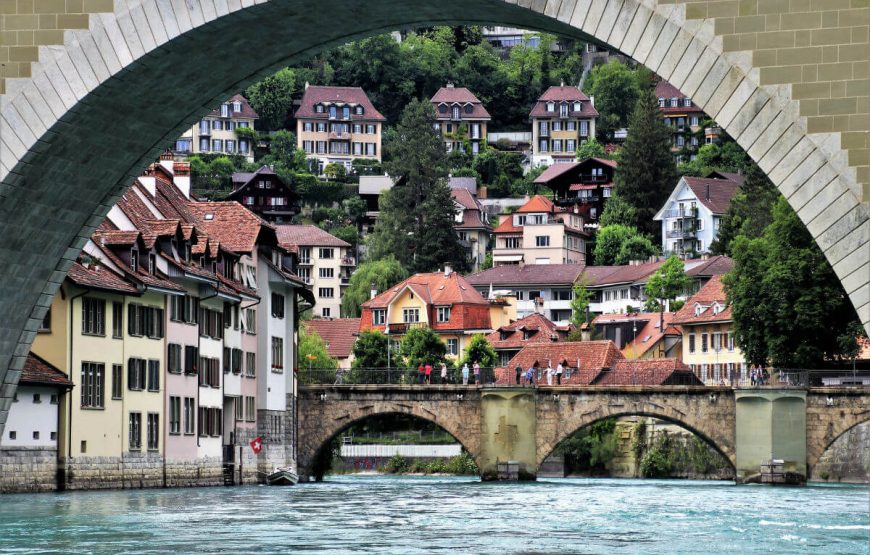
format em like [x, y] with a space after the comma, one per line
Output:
[449, 85]
[708, 191]
[306, 85]
[373, 291]
[562, 83]
[447, 270]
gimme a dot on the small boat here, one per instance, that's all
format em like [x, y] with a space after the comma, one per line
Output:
[282, 476]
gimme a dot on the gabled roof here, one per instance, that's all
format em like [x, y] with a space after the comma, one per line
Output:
[37, 371]
[602, 276]
[738, 178]
[507, 226]
[465, 199]
[655, 371]
[544, 331]
[459, 95]
[648, 332]
[704, 302]
[713, 266]
[558, 170]
[587, 358]
[247, 111]
[339, 334]
[241, 179]
[236, 227]
[528, 275]
[337, 95]
[291, 237]
[434, 288]
[537, 203]
[715, 194]
[98, 276]
[563, 93]
[668, 91]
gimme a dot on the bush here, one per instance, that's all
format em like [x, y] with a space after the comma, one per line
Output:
[655, 463]
[397, 465]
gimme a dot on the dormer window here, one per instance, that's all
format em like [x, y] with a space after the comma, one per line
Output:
[717, 308]
[442, 109]
[345, 112]
[134, 260]
[318, 108]
[662, 102]
[152, 263]
[333, 112]
[214, 266]
[186, 251]
[687, 102]
[675, 102]
[551, 107]
[563, 110]
[469, 108]
[698, 309]
[578, 106]
[225, 110]
[358, 110]
[502, 335]
[456, 112]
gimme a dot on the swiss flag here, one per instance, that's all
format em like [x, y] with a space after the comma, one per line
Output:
[257, 445]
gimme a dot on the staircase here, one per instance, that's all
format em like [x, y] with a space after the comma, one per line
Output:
[229, 472]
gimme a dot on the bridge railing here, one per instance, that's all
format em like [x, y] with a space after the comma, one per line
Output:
[390, 376]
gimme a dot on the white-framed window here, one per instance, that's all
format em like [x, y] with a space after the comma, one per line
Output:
[675, 102]
[135, 434]
[307, 126]
[326, 253]
[326, 292]
[327, 273]
[543, 146]
[512, 242]
[556, 126]
[443, 314]
[92, 385]
[542, 241]
[217, 145]
[557, 145]
[453, 347]
[578, 106]
[570, 145]
[687, 102]
[318, 108]
[563, 110]
[662, 102]
[704, 343]
[225, 110]
[691, 342]
[277, 353]
[217, 124]
[189, 415]
[410, 315]
[174, 415]
[693, 121]
[371, 129]
[379, 317]
[455, 113]
[371, 149]
[551, 107]
[325, 312]
[571, 125]
[584, 128]
[230, 145]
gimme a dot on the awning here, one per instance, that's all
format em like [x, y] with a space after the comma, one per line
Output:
[582, 187]
[508, 258]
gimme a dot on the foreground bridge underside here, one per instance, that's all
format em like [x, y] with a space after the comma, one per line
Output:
[83, 114]
[525, 425]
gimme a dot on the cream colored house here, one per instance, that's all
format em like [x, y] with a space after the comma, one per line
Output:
[216, 132]
[562, 119]
[471, 226]
[539, 233]
[461, 119]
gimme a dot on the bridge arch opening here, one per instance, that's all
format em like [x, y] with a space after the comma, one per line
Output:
[845, 457]
[637, 444]
[316, 457]
[86, 98]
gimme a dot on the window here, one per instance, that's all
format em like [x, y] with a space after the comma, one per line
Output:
[189, 415]
[35, 435]
[250, 364]
[117, 381]
[136, 370]
[542, 241]
[551, 107]
[153, 375]
[452, 347]
[703, 342]
[326, 253]
[570, 145]
[584, 128]
[217, 145]
[203, 144]
[53, 399]
[277, 354]
[563, 110]
[730, 341]
[209, 372]
[662, 102]
[326, 273]
[326, 312]
[410, 315]
[211, 323]
[717, 342]
[145, 321]
[562, 295]
[687, 102]
[325, 292]
[174, 415]
[443, 313]
[250, 409]
[92, 385]
[37, 398]
[277, 305]
[93, 316]
[239, 409]
[45, 325]
[230, 145]
[379, 317]
[557, 145]
[135, 431]
[191, 357]
[236, 361]
[370, 129]
[305, 255]
[544, 145]
[512, 242]
[675, 102]
[543, 129]
[117, 320]
[204, 126]
[691, 342]
[623, 294]
[251, 321]
[225, 110]
[556, 126]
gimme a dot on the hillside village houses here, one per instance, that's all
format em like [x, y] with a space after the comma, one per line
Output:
[265, 194]
[562, 119]
[461, 119]
[685, 119]
[586, 184]
[471, 226]
[540, 233]
[216, 132]
[336, 125]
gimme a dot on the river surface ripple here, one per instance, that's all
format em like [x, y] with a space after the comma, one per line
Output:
[385, 514]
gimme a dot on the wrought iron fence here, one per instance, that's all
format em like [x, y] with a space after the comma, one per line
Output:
[394, 376]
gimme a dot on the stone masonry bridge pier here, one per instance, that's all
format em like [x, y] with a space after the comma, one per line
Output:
[499, 424]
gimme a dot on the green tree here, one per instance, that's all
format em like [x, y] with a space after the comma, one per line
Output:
[636, 247]
[272, 98]
[620, 244]
[616, 89]
[335, 172]
[749, 212]
[591, 148]
[724, 157]
[382, 274]
[667, 283]
[422, 345]
[617, 211]
[646, 174]
[370, 350]
[479, 350]
[789, 307]
[314, 355]
[580, 301]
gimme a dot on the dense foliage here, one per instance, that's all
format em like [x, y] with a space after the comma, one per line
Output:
[590, 448]
[314, 355]
[616, 88]
[382, 274]
[619, 244]
[370, 350]
[422, 346]
[668, 282]
[480, 351]
[749, 212]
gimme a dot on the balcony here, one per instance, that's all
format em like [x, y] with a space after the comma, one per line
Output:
[589, 178]
[400, 328]
[684, 213]
[681, 233]
[348, 261]
[304, 262]
[345, 280]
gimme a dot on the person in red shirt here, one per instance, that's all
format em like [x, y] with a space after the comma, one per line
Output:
[428, 374]
[420, 373]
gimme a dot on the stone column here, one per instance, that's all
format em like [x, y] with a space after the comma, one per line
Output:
[507, 433]
[771, 424]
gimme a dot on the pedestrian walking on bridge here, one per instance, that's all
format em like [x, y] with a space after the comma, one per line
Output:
[428, 374]
[465, 374]
[443, 373]
[476, 373]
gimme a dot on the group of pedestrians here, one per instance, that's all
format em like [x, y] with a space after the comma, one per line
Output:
[424, 373]
[758, 375]
[476, 369]
[534, 374]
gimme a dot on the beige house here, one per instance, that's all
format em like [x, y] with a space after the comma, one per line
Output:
[539, 233]
[335, 125]
[324, 262]
[217, 133]
[471, 226]
[460, 118]
[562, 119]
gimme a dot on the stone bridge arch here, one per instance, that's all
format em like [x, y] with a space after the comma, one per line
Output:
[324, 412]
[831, 412]
[88, 100]
[710, 418]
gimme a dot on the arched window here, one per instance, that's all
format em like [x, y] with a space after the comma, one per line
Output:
[442, 108]
[469, 108]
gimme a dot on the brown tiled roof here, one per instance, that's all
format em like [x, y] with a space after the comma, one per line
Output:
[715, 194]
[537, 203]
[529, 274]
[738, 178]
[339, 334]
[116, 237]
[291, 236]
[611, 275]
[544, 330]
[655, 371]
[648, 333]
[172, 203]
[507, 226]
[714, 266]
[567, 93]
[667, 91]
[465, 199]
[592, 357]
[712, 293]
[346, 95]
[471, 215]
[98, 276]
[557, 170]
[37, 371]
[237, 228]
[434, 288]
[247, 111]
[459, 95]
[141, 275]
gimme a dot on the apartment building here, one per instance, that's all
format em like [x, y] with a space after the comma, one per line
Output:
[265, 194]
[562, 118]
[685, 119]
[460, 119]
[586, 184]
[324, 262]
[471, 225]
[335, 125]
[218, 131]
[690, 217]
[540, 233]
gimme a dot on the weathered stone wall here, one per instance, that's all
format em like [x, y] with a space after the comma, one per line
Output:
[140, 470]
[847, 459]
[831, 412]
[28, 469]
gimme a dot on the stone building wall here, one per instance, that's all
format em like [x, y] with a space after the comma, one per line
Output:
[28, 469]
[847, 459]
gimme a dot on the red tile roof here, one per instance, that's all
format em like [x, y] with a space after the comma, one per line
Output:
[434, 288]
[566, 93]
[738, 178]
[37, 371]
[537, 203]
[337, 95]
[292, 236]
[700, 307]
[656, 371]
[339, 334]
[507, 226]
[459, 95]
[586, 358]
[472, 210]
[247, 111]
[715, 194]
[543, 331]
[529, 274]
[601, 276]
[237, 228]
[667, 91]
[98, 276]
[117, 237]
[714, 266]
[648, 332]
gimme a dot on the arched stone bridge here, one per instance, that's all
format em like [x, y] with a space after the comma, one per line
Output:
[91, 92]
[526, 425]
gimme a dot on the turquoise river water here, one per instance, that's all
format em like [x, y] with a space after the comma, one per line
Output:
[385, 514]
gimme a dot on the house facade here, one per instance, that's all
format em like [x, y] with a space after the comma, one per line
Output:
[324, 262]
[534, 329]
[460, 119]
[540, 233]
[265, 194]
[683, 117]
[339, 334]
[586, 184]
[335, 125]
[562, 119]
[690, 217]
[641, 334]
[471, 225]
[217, 132]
